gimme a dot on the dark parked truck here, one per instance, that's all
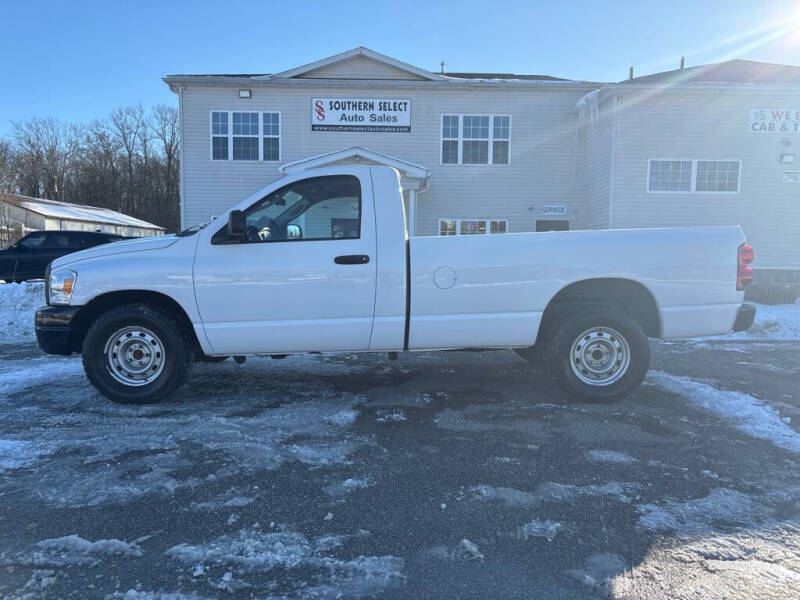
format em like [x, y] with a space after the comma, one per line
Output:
[321, 261]
[28, 258]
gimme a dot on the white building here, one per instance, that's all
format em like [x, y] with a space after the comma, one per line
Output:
[495, 153]
[22, 214]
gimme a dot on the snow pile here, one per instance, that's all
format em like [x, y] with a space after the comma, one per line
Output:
[537, 528]
[18, 304]
[69, 551]
[745, 412]
[598, 570]
[773, 321]
[343, 488]
[138, 595]
[231, 498]
[610, 456]
[780, 321]
[255, 552]
[699, 514]
[550, 492]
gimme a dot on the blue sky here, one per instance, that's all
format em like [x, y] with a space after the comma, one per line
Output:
[79, 60]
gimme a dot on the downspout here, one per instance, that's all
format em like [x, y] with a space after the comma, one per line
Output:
[182, 179]
[421, 190]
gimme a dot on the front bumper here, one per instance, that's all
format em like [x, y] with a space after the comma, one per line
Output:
[744, 317]
[54, 327]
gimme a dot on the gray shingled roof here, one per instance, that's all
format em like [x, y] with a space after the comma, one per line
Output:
[729, 71]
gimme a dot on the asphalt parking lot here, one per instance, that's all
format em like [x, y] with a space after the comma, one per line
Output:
[448, 475]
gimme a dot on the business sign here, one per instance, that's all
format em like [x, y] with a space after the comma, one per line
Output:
[361, 114]
[774, 120]
[553, 210]
[791, 176]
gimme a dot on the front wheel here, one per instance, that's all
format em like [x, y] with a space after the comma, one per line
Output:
[135, 354]
[598, 355]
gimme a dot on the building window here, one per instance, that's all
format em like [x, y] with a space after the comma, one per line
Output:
[472, 226]
[717, 176]
[272, 136]
[476, 139]
[693, 176]
[501, 132]
[219, 135]
[475, 143]
[245, 136]
[450, 140]
[670, 176]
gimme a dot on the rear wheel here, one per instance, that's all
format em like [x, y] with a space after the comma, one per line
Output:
[598, 355]
[135, 354]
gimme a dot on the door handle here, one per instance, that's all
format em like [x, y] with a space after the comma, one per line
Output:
[352, 259]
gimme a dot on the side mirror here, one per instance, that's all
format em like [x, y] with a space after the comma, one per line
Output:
[293, 232]
[236, 226]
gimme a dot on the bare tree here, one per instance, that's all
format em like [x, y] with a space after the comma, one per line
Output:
[128, 125]
[128, 162]
[47, 148]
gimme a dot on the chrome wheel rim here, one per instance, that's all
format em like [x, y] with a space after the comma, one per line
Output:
[134, 356]
[600, 356]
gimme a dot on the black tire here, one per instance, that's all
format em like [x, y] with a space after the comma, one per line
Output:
[563, 340]
[177, 354]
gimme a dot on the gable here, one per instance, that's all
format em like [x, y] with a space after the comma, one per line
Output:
[359, 67]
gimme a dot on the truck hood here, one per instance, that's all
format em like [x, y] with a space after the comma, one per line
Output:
[139, 245]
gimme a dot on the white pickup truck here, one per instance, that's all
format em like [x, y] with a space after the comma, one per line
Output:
[322, 262]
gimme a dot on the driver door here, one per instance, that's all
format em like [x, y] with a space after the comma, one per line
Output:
[299, 281]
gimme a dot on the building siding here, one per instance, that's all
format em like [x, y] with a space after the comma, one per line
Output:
[709, 124]
[359, 67]
[596, 167]
[543, 156]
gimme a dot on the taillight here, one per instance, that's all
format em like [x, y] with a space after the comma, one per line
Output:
[744, 274]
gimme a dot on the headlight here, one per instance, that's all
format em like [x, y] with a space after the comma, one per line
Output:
[61, 285]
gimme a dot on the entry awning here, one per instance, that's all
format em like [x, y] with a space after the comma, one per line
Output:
[356, 155]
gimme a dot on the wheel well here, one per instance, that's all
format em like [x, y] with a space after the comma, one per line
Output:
[97, 306]
[629, 296]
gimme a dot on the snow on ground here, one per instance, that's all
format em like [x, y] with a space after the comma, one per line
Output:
[745, 413]
[758, 563]
[551, 492]
[70, 550]
[18, 304]
[773, 321]
[538, 528]
[78, 449]
[251, 551]
[699, 514]
[610, 456]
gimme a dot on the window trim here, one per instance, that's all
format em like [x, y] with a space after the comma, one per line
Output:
[693, 185]
[490, 140]
[487, 221]
[261, 136]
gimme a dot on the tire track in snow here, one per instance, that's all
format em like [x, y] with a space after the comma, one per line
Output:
[746, 413]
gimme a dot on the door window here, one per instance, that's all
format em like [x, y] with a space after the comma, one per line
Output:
[319, 208]
[56, 240]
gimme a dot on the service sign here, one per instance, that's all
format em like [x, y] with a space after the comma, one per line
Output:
[774, 120]
[391, 115]
[553, 210]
